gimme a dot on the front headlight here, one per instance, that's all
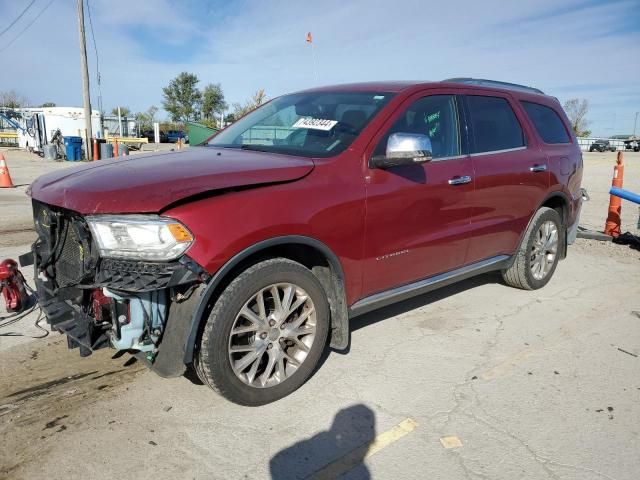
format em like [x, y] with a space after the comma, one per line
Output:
[139, 237]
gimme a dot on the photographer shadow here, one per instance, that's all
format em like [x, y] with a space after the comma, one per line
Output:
[330, 453]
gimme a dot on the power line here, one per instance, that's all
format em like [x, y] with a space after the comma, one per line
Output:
[27, 27]
[95, 48]
[19, 17]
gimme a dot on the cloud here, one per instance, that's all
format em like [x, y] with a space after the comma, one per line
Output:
[581, 49]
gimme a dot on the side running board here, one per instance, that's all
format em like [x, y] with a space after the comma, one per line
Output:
[404, 292]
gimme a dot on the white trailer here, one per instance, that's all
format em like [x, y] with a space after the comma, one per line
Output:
[39, 124]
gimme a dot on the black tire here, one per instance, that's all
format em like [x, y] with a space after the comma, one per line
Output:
[519, 274]
[214, 365]
[197, 369]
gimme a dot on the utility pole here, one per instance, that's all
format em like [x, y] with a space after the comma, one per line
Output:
[86, 98]
[635, 122]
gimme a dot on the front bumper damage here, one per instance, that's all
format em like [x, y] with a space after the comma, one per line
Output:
[129, 305]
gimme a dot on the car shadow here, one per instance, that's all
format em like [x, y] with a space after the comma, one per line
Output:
[330, 453]
[390, 311]
[404, 306]
[399, 308]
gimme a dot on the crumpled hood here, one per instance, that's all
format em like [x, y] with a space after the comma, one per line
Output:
[149, 183]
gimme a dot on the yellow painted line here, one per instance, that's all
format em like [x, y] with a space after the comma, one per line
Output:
[355, 457]
[8, 135]
[391, 436]
[451, 442]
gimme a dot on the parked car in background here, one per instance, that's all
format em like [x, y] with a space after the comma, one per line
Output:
[602, 146]
[174, 135]
[150, 136]
[632, 145]
[242, 259]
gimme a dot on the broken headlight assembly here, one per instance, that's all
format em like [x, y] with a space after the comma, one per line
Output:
[139, 237]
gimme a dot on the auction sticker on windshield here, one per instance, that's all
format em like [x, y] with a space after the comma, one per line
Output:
[315, 123]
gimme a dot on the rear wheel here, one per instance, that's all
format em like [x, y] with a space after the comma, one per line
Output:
[537, 258]
[265, 334]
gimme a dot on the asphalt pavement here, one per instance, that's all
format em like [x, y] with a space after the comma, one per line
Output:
[476, 380]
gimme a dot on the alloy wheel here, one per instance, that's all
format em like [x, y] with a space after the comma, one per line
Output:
[544, 250]
[272, 335]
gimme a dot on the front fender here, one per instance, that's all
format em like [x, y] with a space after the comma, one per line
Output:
[339, 312]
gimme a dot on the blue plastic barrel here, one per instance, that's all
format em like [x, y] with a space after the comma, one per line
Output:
[73, 148]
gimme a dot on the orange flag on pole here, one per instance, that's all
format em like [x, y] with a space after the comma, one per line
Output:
[309, 38]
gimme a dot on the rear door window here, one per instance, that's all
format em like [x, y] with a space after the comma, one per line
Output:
[547, 123]
[494, 124]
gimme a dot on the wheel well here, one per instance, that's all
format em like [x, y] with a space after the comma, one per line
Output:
[559, 204]
[306, 255]
[329, 275]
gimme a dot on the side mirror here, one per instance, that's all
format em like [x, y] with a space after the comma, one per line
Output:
[404, 149]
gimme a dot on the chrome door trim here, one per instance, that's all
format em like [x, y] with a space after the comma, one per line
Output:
[404, 292]
[492, 152]
[444, 159]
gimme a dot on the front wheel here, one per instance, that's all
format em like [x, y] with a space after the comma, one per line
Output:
[537, 258]
[265, 334]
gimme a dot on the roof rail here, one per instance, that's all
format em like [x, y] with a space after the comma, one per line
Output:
[494, 83]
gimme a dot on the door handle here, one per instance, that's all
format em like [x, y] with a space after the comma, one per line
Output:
[460, 180]
[538, 168]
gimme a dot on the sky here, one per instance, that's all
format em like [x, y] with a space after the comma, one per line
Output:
[574, 48]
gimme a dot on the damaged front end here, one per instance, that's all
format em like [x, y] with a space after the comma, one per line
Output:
[129, 304]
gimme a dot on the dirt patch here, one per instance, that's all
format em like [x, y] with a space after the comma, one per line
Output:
[18, 236]
[608, 249]
[42, 388]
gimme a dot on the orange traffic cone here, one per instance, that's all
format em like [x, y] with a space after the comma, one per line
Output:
[5, 178]
[612, 225]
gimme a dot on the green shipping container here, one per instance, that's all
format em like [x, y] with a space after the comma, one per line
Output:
[199, 133]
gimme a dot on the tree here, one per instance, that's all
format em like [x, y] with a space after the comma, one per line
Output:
[182, 98]
[577, 109]
[254, 102]
[212, 101]
[12, 99]
[47, 104]
[145, 119]
[124, 111]
[151, 113]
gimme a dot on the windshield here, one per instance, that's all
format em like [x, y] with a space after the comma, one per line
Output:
[314, 124]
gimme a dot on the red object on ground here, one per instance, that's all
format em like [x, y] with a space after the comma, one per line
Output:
[612, 225]
[96, 150]
[5, 178]
[115, 148]
[12, 286]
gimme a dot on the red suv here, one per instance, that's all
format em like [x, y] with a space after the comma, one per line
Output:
[243, 258]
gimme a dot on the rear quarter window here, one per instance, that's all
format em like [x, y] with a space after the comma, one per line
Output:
[547, 122]
[494, 124]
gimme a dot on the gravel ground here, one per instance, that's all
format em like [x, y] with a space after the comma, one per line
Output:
[476, 380]
[598, 172]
